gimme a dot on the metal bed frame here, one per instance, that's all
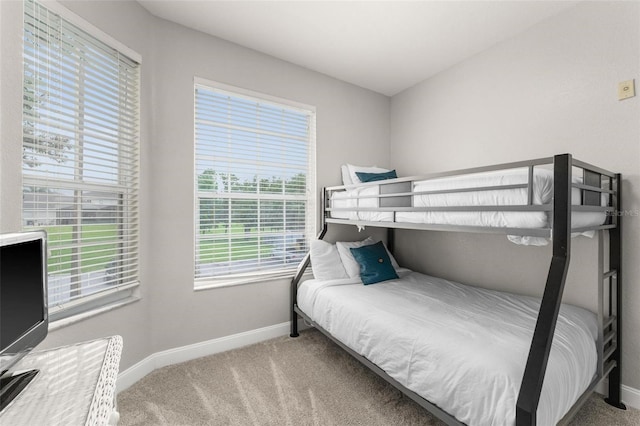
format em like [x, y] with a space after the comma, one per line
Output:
[396, 195]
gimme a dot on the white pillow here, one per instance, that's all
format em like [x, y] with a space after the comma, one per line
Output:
[325, 261]
[346, 178]
[350, 265]
[349, 262]
[353, 169]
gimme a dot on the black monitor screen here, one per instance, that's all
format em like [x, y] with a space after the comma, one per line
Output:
[21, 290]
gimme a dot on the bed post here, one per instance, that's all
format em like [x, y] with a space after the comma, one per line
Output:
[391, 240]
[302, 266]
[615, 264]
[531, 386]
[294, 295]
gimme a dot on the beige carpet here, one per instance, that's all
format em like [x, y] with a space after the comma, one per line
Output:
[285, 381]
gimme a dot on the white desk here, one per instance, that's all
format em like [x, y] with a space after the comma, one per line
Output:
[76, 386]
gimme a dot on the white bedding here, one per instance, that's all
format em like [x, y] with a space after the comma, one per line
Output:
[462, 348]
[542, 194]
[345, 200]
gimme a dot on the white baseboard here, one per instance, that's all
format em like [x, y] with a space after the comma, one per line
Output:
[629, 396]
[197, 350]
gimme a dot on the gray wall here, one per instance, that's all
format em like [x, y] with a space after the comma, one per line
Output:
[550, 90]
[352, 125]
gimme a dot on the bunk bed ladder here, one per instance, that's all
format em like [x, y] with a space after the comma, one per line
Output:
[611, 328]
[607, 327]
[531, 387]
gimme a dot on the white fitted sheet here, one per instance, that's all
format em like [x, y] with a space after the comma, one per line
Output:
[462, 348]
[542, 194]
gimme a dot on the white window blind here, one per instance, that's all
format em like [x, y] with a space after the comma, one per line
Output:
[255, 186]
[80, 160]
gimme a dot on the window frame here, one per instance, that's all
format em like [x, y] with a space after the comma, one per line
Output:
[123, 292]
[311, 222]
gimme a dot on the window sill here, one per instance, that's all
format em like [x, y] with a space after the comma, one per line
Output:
[65, 322]
[209, 285]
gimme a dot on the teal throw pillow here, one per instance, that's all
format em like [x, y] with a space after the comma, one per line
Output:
[372, 177]
[375, 265]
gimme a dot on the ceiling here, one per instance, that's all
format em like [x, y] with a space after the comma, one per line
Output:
[384, 46]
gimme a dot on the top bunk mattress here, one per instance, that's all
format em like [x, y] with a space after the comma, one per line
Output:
[542, 193]
[462, 348]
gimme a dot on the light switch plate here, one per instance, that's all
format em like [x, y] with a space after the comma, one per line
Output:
[626, 89]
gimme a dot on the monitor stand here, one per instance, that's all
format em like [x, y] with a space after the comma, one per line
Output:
[11, 386]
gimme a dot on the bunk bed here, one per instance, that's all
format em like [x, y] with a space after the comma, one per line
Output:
[531, 202]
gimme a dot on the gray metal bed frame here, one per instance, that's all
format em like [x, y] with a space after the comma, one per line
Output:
[396, 195]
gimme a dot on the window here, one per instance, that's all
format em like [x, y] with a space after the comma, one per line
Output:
[80, 159]
[255, 185]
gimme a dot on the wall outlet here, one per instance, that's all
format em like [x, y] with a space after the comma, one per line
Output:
[626, 89]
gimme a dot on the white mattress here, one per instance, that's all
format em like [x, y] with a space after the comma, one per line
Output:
[460, 347]
[542, 194]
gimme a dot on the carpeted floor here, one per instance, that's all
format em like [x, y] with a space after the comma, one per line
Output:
[285, 381]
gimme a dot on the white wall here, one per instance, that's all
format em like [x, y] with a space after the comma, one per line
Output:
[352, 125]
[550, 90]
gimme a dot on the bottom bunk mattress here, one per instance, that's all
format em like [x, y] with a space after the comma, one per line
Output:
[460, 347]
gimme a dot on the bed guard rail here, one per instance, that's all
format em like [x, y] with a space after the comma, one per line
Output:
[597, 195]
